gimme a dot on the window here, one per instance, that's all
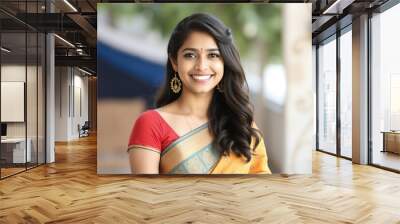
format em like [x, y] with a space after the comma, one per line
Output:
[346, 94]
[385, 89]
[327, 96]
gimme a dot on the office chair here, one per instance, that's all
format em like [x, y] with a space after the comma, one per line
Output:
[84, 130]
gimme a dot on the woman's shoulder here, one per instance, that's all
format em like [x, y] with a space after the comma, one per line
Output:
[148, 114]
[146, 131]
[147, 118]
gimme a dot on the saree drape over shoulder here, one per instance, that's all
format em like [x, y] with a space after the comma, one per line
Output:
[192, 153]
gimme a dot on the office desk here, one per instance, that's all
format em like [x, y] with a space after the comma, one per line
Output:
[13, 150]
[391, 141]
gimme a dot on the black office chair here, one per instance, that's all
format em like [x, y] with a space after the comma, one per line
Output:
[84, 130]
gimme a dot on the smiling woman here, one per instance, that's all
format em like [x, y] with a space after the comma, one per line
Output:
[204, 121]
[198, 63]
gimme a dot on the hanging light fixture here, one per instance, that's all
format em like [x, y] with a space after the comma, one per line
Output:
[5, 50]
[70, 5]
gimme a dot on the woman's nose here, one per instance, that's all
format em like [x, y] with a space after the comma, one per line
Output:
[202, 63]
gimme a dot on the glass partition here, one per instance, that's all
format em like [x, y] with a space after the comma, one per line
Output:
[346, 94]
[22, 77]
[327, 96]
[13, 105]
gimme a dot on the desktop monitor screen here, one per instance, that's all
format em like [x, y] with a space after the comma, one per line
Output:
[3, 129]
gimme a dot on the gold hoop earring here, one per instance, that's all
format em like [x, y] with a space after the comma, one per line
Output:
[175, 84]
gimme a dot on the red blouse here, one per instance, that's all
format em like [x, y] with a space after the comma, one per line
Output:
[152, 131]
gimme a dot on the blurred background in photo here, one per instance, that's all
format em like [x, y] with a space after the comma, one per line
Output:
[274, 42]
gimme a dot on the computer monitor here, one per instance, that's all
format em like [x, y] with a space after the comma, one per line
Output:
[3, 129]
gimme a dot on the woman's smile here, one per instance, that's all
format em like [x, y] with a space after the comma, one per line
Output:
[202, 78]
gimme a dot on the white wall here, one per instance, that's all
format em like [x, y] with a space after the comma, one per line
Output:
[62, 80]
[71, 92]
[80, 89]
[12, 73]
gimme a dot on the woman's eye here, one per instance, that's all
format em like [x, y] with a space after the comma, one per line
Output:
[214, 55]
[189, 55]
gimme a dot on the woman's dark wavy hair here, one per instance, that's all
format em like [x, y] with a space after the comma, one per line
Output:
[230, 113]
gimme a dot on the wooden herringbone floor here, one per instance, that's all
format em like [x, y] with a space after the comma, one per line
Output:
[70, 191]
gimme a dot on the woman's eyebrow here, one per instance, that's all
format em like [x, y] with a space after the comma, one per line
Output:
[197, 50]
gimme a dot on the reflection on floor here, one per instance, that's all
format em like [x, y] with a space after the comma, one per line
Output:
[10, 169]
[386, 159]
[70, 191]
[346, 152]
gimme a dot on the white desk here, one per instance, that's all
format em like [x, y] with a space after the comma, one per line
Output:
[18, 150]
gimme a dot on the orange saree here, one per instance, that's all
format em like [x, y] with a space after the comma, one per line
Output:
[193, 154]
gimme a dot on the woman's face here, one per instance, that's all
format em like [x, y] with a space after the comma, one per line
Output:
[199, 63]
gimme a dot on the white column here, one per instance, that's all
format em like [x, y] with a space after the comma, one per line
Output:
[50, 100]
[50, 92]
[62, 103]
[360, 90]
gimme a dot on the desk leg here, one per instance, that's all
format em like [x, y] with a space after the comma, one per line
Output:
[384, 142]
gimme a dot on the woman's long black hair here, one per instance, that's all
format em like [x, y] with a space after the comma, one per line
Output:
[230, 113]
